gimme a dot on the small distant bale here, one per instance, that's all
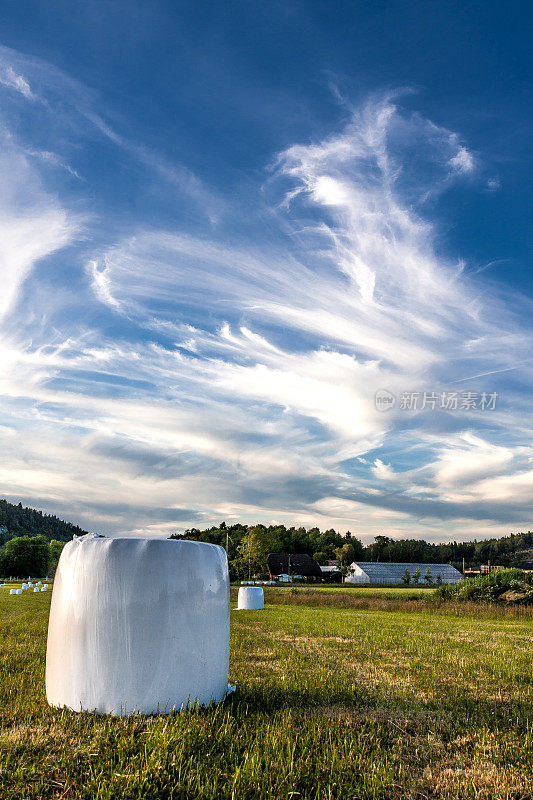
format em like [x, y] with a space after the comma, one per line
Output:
[250, 598]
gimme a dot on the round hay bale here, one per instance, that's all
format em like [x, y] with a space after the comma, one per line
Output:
[250, 597]
[138, 626]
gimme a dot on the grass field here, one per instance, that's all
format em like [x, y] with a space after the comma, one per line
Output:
[332, 701]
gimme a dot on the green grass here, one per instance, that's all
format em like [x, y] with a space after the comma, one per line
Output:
[331, 702]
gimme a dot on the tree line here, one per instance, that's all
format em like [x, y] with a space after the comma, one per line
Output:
[29, 556]
[248, 547]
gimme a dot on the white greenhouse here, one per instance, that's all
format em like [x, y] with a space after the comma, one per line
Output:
[382, 573]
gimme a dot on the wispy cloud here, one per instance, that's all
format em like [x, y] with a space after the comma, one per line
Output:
[9, 78]
[70, 106]
[462, 161]
[33, 223]
[219, 375]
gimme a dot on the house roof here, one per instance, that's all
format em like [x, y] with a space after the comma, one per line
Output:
[300, 564]
[385, 570]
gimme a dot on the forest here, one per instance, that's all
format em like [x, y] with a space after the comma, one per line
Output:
[16, 520]
[248, 547]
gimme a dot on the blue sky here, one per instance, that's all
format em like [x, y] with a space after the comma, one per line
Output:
[225, 227]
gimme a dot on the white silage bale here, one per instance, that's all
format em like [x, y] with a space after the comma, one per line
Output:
[138, 625]
[250, 598]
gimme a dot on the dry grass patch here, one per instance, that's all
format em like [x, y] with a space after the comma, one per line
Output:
[481, 780]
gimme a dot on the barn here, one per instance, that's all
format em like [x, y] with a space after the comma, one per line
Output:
[393, 574]
[296, 565]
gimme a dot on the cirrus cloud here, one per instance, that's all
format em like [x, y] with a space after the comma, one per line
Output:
[200, 375]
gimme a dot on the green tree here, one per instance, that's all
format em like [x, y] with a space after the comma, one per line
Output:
[428, 577]
[378, 550]
[406, 577]
[54, 551]
[416, 575]
[347, 553]
[26, 556]
[321, 558]
[255, 545]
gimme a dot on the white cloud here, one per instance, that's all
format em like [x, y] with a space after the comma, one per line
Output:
[383, 471]
[466, 458]
[507, 488]
[9, 78]
[100, 284]
[462, 161]
[33, 224]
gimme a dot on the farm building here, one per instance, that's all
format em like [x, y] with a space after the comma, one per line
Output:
[331, 573]
[294, 565]
[484, 569]
[393, 574]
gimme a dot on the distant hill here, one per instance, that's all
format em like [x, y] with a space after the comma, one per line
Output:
[15, 520]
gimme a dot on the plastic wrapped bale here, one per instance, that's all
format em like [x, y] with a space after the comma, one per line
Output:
[250, 597]
[18, 591]
[12, 591]
[36, 589]
[138, 626]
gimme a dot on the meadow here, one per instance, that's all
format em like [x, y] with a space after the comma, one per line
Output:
[340, 694]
